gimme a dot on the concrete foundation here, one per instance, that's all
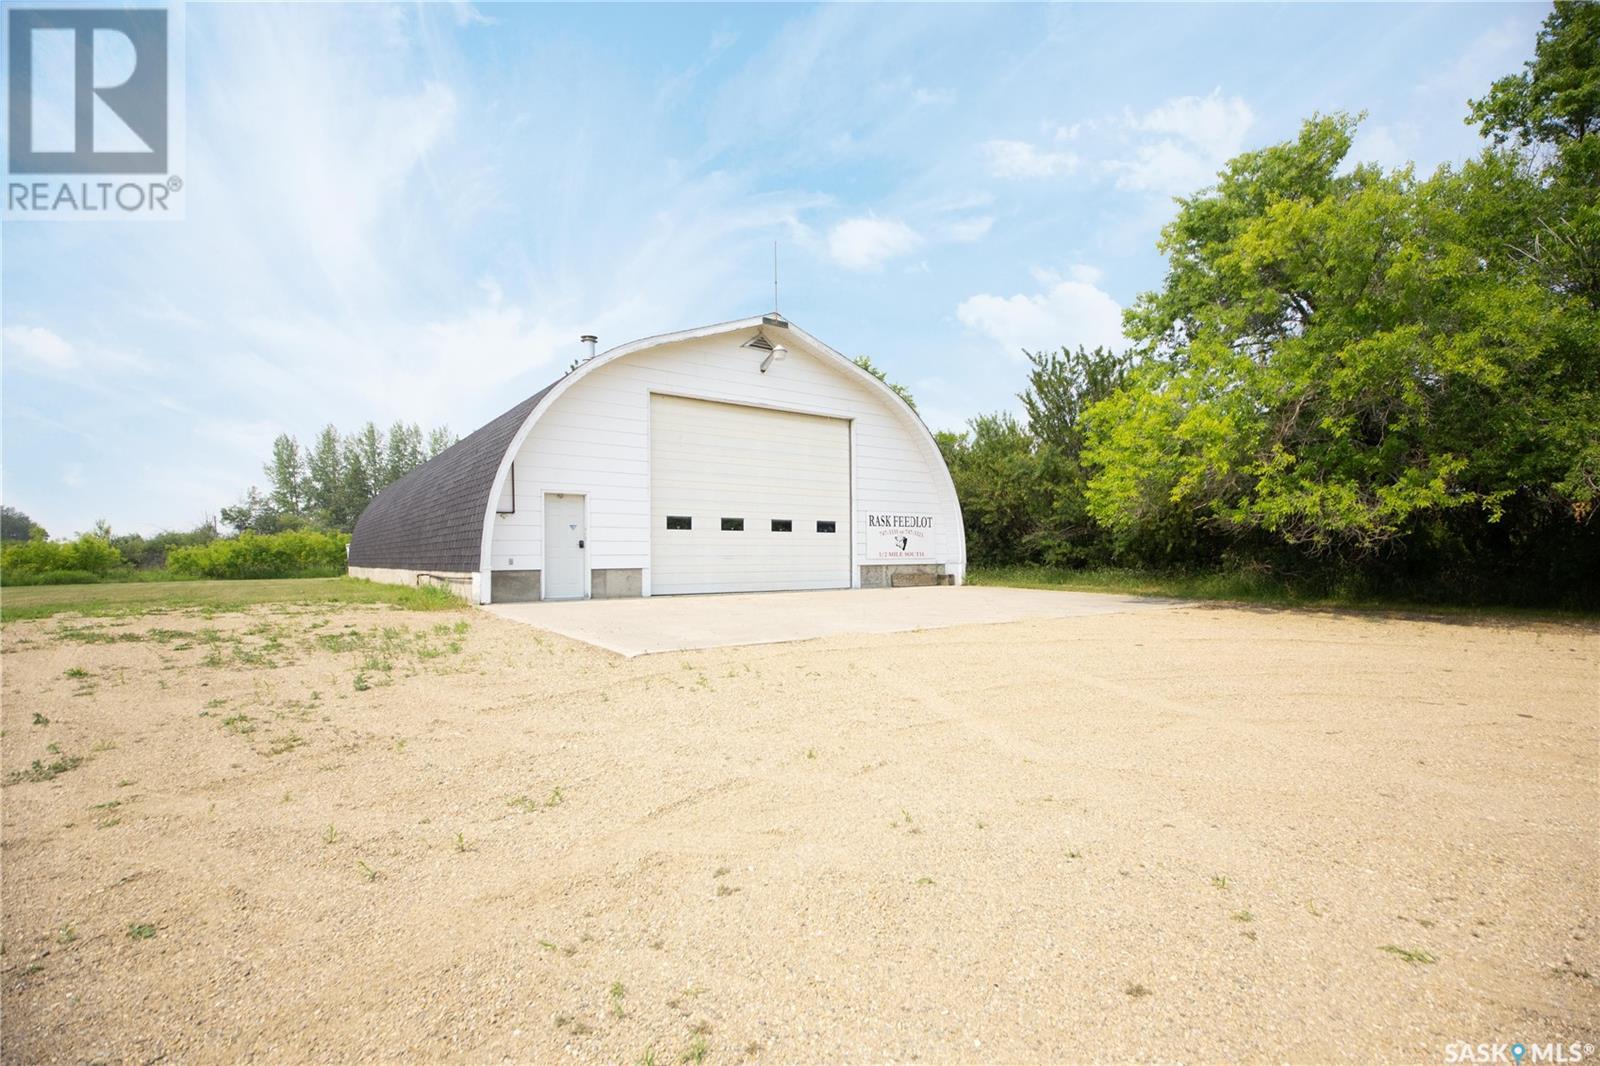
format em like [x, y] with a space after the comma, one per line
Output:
[616, 584]
[904, 575]
[457, 582]
[514, 586]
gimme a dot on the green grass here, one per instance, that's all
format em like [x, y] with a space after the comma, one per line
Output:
[134, 577]
[1234, 586]
[134, 598]
[41, 771]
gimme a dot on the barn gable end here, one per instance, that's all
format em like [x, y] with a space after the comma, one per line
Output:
[799, 464]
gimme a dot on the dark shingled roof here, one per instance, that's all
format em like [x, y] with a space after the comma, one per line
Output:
[432, 519]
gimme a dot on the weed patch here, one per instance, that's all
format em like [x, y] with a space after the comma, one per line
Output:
[43, 771]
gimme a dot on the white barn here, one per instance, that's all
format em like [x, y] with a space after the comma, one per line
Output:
[740, 457]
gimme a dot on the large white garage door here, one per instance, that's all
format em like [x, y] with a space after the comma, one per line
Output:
[744, 499]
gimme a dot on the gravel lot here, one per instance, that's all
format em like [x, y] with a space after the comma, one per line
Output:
[1204, 833]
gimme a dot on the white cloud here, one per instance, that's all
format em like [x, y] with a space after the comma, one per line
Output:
[361, 280]
[417, 369]
[965, 230]
[869, 242]
[1492, 54]
[1067, 313]
[1019, 159]
[1390, 145]
[35, 344]
[467, 14]
[920, 95]
[1089, 275]
[495, 341]
[1197, 135]
[1208, 122]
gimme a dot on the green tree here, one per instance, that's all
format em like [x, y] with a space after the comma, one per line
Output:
[325, 476]
[329, 484]
[1551, 114]
[866, 363]
[1338, 354]
[369, 443]
[1062, 385]
[439, 439]
[997, 478]
[287, 475]
[363, 473]
[1356, 362]
[1556, 98]
[402, 451]
[254, 513]
[150, 553]
[15, 525]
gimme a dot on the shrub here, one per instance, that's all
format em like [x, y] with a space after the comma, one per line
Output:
[50, 577]
[89, 553]
[150, 553]
[298, 553]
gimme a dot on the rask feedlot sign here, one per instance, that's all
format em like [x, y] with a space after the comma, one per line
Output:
[892, 537]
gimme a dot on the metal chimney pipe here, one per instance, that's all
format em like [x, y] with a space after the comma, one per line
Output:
[589, 340]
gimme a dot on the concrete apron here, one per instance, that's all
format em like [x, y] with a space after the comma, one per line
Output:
[680, 623]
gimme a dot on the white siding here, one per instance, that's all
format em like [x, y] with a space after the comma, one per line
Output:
[595, 439]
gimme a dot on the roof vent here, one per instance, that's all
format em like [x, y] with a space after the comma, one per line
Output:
[758, 341]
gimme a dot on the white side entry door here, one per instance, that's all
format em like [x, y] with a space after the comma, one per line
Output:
[565, 547]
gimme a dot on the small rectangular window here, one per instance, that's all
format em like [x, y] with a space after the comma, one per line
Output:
[679, 521]
[783, 525]
[733, 525]
[825, 527]
[508, 495]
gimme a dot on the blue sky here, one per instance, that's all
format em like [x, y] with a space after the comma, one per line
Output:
[413, 212]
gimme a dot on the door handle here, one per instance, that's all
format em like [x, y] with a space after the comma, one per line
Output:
[580, 543]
